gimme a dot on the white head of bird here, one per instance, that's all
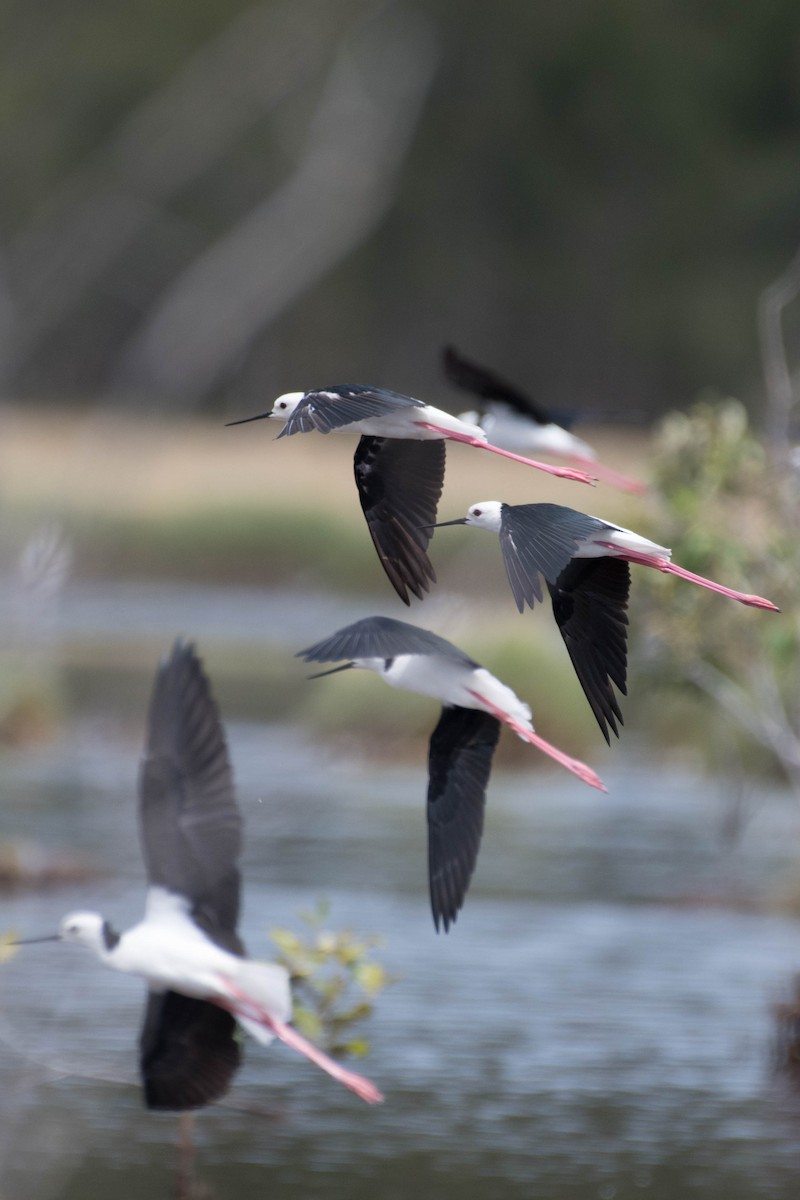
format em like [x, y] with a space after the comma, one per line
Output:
[88, 929]
[486, 515]
[285, 405]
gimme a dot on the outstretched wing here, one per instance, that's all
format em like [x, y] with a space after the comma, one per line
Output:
[590, 602]
[334, 407]
[487, 385]
[540, 539]
[189, 821]
[459, 763]
[399, 485]
[382, 637]
[188, 1052]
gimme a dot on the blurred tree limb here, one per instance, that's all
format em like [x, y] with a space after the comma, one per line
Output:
[165, 144]
[170, 140]
[777, 376]
[357, 140]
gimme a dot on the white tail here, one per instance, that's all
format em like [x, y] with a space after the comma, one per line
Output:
[267, 986]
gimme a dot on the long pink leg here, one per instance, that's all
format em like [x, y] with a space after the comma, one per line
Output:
[609, 475]
[242, 1004]
[561, 472]
[584, 773]
[671, 568]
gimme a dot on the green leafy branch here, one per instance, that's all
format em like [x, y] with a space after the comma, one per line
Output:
[335, 979]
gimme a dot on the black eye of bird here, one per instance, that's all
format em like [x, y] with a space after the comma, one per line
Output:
[387, 663]
[476, 512]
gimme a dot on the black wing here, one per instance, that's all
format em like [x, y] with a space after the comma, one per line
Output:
[382, 637]
[188, 1052]
[334, 407]
[459, 762]
[540, 539]
[399, 485]
[190, 823]
[488, 386]
[590, 602]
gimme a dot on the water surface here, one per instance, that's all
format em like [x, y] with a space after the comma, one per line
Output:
[597, 1024]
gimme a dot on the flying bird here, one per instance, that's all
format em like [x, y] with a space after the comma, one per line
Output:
[515, 421]
[462, 744]
[200, 984]
[399, 466]
[584, 562]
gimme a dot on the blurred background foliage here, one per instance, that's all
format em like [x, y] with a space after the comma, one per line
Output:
[728, 509]
[216, 201]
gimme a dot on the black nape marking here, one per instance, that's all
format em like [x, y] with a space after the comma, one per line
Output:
[110, 936]
[387, 664]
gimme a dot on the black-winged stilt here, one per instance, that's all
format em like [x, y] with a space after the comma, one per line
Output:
[399, 465]
[584, 562]
[186, 947]
[515, 421]
[461, 746]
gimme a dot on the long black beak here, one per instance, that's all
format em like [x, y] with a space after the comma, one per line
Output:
[50, 937]
[333, 671]
[244, 420]
[440, 524]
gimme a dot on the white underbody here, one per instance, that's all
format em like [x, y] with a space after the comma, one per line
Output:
[510, 431]
[407, 423]
[396, 423]
[450, 683]
[171, 953]
[614, 542]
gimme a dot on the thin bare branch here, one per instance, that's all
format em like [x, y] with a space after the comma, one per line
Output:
[755, 714]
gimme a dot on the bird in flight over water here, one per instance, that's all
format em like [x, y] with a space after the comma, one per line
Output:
[474, 704]
[187, 949]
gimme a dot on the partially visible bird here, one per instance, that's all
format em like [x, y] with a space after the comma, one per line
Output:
[515, 421]
[462, 744]
[399, 465]
[583, 561]
[200, 984]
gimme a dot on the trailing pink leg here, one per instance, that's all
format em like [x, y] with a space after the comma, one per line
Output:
[561, 472]
[609, 475]
[671, 568]
[584, 772]
[244, 1006]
